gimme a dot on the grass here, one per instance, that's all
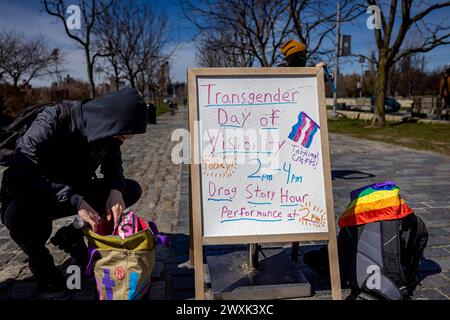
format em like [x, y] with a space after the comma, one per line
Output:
[161, 109]
[420, 136]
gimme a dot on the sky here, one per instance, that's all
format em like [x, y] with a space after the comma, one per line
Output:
[27, 17]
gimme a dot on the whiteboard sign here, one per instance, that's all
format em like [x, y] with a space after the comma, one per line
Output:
[261, 170]
[260, 165]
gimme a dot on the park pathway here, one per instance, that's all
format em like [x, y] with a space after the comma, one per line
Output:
[424, 182]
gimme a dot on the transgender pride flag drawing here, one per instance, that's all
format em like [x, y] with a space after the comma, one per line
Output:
[304, 130]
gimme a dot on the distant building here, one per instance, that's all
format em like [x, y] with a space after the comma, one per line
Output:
[68, 80]
[25, 87]
[116, 86]
[164, 80]
[69, 89]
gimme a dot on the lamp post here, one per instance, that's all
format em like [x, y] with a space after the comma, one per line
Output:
[361, 62]
[336, 69]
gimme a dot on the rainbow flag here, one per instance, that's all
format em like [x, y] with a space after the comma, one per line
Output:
[305, 128]
[375, 202]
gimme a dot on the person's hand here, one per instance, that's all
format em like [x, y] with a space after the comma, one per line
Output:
[323, 65]
[114, 206]
[89, 215]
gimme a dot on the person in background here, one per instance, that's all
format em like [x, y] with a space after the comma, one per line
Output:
[294, 53]
[444, 90]
[151, 113]
[53, 174]
[171, 107]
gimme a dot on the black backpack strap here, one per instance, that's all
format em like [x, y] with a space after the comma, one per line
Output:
[10, 135]
[27, 116]
[415, 237]
[66, 112]
[392, 263]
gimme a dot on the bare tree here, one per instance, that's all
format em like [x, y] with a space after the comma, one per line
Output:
[22, 59]
[403, 76]
[220, 50]
[314, 22]
[400, 20]
[109, 42]
[90, 12]
[259, 27]
[57, 67]
[3, 56]
[255, 29]
[133, 38]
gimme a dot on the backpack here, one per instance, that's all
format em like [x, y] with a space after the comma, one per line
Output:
[380, 244]
[382, 258]
[11, 134]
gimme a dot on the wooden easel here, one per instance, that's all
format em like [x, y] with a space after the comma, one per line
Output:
[198, 240]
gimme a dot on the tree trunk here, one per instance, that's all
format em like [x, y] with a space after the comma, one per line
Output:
[116, 76]
[379, 119]
[16, 86]
[132, 82]
[116, 72]
[90, 71]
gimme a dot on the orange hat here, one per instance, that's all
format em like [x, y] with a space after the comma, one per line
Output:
[292, 46]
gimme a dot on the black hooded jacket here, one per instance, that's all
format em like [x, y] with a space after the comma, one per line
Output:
[58, 155]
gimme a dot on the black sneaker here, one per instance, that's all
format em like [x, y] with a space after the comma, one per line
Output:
[48, 277]
[51, 283]
[71, 240]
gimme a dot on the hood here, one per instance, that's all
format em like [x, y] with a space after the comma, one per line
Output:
[117, 113]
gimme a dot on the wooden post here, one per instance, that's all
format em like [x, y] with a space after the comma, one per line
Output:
[191, 228]
[335, 279]
[253, 256]
[294, 253]
[326, 161]
[197, 232]
[198, 266]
